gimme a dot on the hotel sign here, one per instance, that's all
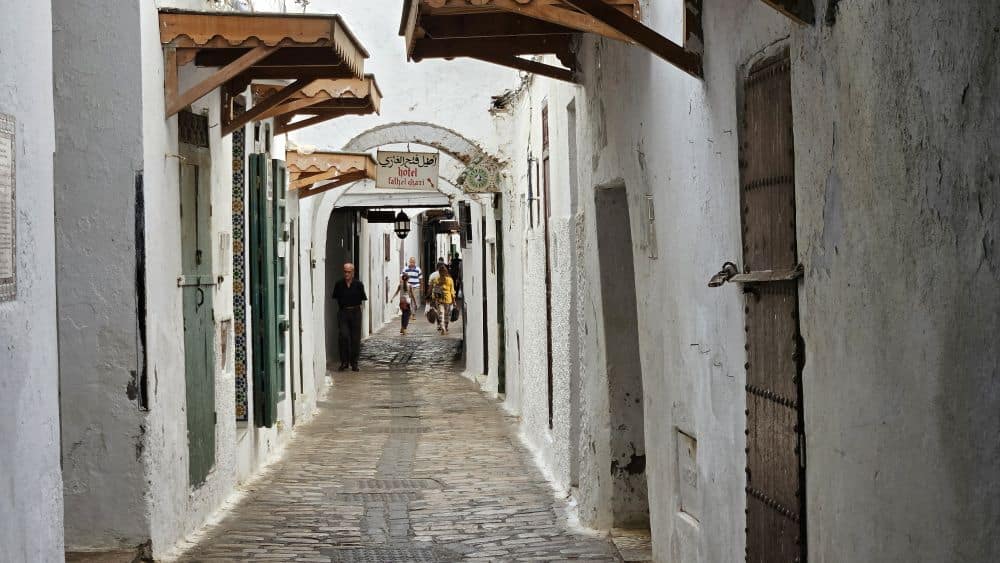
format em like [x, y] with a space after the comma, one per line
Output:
[407, 170]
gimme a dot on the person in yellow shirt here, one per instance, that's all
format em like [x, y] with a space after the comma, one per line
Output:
[443, 292]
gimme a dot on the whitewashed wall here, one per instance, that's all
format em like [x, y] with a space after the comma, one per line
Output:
[31, 504]
[878, 178]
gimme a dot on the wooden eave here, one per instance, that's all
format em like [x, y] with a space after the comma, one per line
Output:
[248, 47]
[504, 31]
[322, 100]
[318, 172]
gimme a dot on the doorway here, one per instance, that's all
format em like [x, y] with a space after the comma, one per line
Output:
[341, 244]
[630, 502]
[198, 288]
[775, 447]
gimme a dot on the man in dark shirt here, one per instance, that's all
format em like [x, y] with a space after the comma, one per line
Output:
[349, 293]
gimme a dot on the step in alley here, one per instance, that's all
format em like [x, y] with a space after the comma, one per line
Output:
[406, 461]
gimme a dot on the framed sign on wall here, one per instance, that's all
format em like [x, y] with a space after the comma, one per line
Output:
[8, 212]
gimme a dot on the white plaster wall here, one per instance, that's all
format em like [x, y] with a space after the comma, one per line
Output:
[898, 192]
[882, 180]
[175, 508]
[31, 504]
[98, 153]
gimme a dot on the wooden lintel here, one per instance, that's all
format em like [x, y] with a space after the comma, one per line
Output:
[533, 67]
[640, 34]
[489, 25]
[282, 128]
[800, 11]
[218, 78]
[170, 76]
[340, 181]
[185, 55]
[257, 110]
[295, 106]
[531, 45]
[561, 16]
[304, 182]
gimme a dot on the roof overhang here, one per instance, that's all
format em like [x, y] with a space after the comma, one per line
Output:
[320, 101]
[503, 31]
[318, 172]
[248, 47]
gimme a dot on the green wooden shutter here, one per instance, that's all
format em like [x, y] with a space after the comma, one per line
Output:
[262, 292]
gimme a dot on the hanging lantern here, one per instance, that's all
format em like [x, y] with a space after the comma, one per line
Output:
[402, 225]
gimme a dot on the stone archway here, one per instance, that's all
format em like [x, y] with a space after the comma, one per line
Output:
[460, 150]
[445, 140]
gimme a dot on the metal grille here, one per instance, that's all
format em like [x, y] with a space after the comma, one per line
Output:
[192, 129]
[775, 460]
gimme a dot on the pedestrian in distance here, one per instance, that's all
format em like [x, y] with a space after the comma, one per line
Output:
[443, 292]
[407, 301]
[350, 294]
[433, 276]
[415, 277]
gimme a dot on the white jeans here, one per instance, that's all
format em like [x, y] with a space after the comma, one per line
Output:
[444, 313]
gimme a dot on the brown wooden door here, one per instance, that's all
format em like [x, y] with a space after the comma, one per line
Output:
[775, 441]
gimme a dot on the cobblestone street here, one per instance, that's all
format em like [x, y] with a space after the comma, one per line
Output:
[406, 461]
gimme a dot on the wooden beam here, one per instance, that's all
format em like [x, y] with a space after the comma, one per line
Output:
[170, 74]
[533, 67]
[344, 179]
[642, 35]
[218, 78]
[488, 25]
[800, 11]
[295, 106]
[289, 56]
[561, 16]
[296, 72]
[531, 45]
[258, 109]
[281, 129]
[311, 179]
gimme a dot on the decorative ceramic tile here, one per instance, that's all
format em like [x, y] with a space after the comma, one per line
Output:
[239, 273]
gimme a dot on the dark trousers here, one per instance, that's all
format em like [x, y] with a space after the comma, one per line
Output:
[349, 321]
[406, 317]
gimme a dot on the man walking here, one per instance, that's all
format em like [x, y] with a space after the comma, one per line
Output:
[414, 277]
[349, 293]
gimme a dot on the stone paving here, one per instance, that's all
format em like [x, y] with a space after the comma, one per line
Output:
[406, 461]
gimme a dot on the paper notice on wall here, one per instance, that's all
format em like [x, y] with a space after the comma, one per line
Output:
[8, 224]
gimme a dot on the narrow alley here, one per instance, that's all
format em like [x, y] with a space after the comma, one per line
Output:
[406, 461]
[723, 280]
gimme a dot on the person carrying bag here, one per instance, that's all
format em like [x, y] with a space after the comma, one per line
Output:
[443, 293]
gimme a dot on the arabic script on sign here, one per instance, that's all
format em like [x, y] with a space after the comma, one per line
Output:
[407, 170]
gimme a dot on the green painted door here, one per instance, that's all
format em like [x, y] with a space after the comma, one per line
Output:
[262, 290]
[198, 285]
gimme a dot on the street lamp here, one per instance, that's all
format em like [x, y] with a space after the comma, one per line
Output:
[402, 227]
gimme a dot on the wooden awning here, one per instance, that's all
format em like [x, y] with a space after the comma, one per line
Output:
[333, 169]
[320, 101]
[503, 31]
[248, 47]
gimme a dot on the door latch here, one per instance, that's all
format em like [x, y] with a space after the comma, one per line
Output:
[725, 274]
